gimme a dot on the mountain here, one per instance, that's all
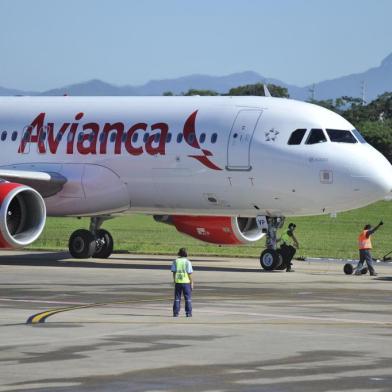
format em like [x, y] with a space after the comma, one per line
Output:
[375, 81]
[10, 91]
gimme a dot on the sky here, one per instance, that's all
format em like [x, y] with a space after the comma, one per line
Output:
[53, 43]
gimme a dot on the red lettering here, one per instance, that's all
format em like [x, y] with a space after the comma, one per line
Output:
[119, 128]
[53, 141]
[29, 137]
[90, 137]
[72, 133]
[128, 142]
[160, 148]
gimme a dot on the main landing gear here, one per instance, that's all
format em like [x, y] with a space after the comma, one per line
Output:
[96, 242]
[272, 258]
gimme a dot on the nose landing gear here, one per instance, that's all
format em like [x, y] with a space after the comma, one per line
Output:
[272, 258]
[95, 242]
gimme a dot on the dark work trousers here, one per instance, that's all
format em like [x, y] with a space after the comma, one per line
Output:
[287, 252]
[364, 255]
[179, 289]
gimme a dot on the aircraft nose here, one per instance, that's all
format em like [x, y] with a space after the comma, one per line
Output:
[380, 177]
[374, 174]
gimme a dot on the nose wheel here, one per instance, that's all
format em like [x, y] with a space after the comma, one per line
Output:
[271, 259]
[96, 242]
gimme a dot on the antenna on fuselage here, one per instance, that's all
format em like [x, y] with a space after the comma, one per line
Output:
[266, 91]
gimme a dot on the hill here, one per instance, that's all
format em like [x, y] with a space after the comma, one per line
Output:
[376, 81]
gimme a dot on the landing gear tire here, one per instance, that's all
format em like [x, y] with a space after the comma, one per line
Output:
[348, 269]
[104, 244]
[82, 244]
[282, 264]
[269, 259]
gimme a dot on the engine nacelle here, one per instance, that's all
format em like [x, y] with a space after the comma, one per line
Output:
[22, 215]
[224, 230]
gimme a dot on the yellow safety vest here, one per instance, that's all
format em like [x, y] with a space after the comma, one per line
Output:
[285, 238]
[181, 274]
[363, 241]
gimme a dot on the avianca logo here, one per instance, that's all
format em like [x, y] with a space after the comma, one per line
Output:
[93, 138]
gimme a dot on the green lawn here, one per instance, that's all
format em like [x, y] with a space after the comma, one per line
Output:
[319, 236]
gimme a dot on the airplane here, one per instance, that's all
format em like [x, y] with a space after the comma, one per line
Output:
[225, 170]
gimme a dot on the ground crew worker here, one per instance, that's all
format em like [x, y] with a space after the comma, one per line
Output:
[364, 245]
[182, 277]
[286, 249]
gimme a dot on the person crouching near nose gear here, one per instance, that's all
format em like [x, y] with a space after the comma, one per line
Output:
[286, 249]
[182, 277]
[364, 245]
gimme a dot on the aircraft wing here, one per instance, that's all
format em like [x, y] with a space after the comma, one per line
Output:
[46, 183]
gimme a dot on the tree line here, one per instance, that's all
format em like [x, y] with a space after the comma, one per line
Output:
[373, 119]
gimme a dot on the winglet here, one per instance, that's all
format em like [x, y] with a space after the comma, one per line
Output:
[266, 91]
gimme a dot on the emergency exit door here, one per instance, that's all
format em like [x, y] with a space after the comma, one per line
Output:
[240, 139]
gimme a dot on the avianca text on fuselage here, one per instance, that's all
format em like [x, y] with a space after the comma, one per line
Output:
[94, 138]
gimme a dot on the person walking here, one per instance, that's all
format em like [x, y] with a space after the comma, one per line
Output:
[287, 250]
[365, 245]
[183, 280]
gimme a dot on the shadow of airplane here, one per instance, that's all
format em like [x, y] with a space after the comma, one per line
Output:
[62, 259]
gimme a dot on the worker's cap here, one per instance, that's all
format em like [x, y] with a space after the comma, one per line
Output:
[367, 227]
[292, 226]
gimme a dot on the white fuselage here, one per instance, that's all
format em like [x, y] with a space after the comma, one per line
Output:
[225, 156]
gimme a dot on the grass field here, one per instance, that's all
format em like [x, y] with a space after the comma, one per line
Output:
[319, 236]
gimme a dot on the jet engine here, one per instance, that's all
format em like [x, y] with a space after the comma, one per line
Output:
[224, 230]
[22, 215]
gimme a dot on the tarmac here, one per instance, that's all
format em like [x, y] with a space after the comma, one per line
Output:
[107, 325]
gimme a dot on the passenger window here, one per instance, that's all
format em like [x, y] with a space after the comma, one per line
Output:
[113, 137]
[14, 136]
[191, 138]
[179, 138]
[214, 137]
[80, 137]
[3, 136]
[296, 137]
[59, 137]
[135, 136]
[202, 138]
[168, 138]
[358, 135]
[101, 136]
[124, 137]
[340, 136]
[157, 138]
[316, 136]
[91, 137]
[42, 135]
[145, 138]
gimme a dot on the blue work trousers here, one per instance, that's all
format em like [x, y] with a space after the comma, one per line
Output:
[179, 289]
[364, 255]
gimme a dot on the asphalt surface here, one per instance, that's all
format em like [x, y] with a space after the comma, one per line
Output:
[107, 326]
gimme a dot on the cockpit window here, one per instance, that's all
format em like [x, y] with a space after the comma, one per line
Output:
[316, 136]
[296, 137]
[340, 136]
[359, 136]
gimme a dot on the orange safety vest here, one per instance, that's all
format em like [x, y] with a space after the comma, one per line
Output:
[363, 242]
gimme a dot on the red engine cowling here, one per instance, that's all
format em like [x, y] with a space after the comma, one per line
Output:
[224, 230]
[22, 215]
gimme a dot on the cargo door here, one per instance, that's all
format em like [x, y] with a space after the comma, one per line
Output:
[240, 139]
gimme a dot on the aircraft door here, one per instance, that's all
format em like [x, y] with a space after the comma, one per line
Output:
[240, 139]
